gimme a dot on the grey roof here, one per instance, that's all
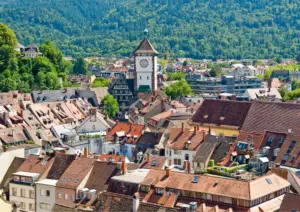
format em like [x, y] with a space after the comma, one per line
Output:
[204, 151]
[53, 95]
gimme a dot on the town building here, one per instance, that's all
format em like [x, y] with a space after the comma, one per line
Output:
[45, 194]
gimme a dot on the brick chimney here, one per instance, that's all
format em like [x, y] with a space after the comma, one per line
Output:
[22, 113]
[170, 162]
[195, 130]
[182, 127]
[123, 167]
[187, 166]
[148, 157]
[85, 152]
[209, 130]
[168, 171]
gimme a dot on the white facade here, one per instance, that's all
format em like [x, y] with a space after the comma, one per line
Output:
[23, 195]
[45, 195]
[179, 156]
[145, 71]
[6, 159]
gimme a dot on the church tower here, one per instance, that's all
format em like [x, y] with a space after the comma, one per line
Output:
[145, 64]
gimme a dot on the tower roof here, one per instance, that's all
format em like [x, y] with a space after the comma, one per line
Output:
[145, 47]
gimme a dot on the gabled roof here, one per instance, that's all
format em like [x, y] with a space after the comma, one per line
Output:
[101, 174]
[290, 202]
[274, 117]
[145, 47]
[60, 164]
[76, 172]
[222, 112]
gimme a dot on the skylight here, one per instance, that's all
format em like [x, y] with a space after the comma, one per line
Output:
[76, 181]
[269, 180]
[63, 179]
[195, 179]
[154, 163]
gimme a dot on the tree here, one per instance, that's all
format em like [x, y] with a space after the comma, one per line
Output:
[80, 66]
[185, 63]
[292, 95]
[7, 36]
[278, 59]
[283, 91]
[110, 106]
[178, 75]
[298, 57]
[100, 82]
[8, 84]
[177, 89]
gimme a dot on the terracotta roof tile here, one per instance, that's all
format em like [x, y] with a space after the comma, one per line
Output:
[76, 172]
[60, 164]
[162, 115]
[274, 117]
[111, 158]
[179, 139]
[233, 112]
[153, 162]
[145, 47]
[290, 202]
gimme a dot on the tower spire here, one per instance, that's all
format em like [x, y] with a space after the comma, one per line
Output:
[146, 32]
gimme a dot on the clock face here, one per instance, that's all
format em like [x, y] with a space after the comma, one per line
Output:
[144, 63]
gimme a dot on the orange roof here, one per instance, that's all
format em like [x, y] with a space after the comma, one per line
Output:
[129, 130]
[154, 162]
[248, 190]
[179, 139]
[162, 115]
[112, 158]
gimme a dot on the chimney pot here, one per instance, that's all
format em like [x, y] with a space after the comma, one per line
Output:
[123, 167]
[182, 127]
[168, 171]
[195, 129]
[85, 152]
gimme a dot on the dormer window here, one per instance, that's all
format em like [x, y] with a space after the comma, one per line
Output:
[159, 191]
[205, 117]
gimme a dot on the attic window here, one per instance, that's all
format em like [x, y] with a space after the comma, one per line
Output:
[205, 117]
[269, 180]
[195, 179]
[154, 163]
[76, 181]
[70, 179]
[63, 179]
[222, 118]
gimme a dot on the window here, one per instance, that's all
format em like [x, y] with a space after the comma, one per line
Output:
[23, 205]
[186, 157]
[22, 192]
[31, 194]
[42, 205]
[16, 178]
[291, 147]
[42, 192]
[23, 180]
[140, 77]
[31, 207]
[59, 196]
[145, 188]
[147, 77]
[48, 206]
[177, 152]
[66, 196]
[177, 162]
[14, 191]
[159, 191]
[47, 193]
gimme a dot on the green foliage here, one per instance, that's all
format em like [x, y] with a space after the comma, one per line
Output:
[295, 84]
[80, 66]
[289, 67]
[110, 106]
[178, 75]
[163, 63]
[100, 82]
[292, 95]
[215, 71]
[7, 37]
[30, 142]
[71, 85]
[177, 89]
[206, 29]
[283, 91]
[24, 74]
[298, 57]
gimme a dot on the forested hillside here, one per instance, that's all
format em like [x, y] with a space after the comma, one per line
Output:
[191, 28]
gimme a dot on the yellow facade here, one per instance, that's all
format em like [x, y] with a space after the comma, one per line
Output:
[222, 131]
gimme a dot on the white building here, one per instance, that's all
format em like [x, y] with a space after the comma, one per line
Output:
[22, 191]
[45, 194]
[145, 62]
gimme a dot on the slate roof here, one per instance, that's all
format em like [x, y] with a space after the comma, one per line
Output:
[205, 151]
[101, 174]
[211, 111]
[60, 164]
[290, 203]
[75, 173]
[145, 47]
[53, 95]
[274, 117]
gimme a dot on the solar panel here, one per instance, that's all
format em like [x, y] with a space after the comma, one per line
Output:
[195, 179]
[269, 181]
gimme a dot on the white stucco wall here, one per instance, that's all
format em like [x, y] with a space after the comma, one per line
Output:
[7, 157]
[27, 200]
[146, 72]
[180, 156]
[44, 199]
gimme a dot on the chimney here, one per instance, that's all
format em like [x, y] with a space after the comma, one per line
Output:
[168, 171]
[182, 127]
[209, 130]
[135, 202]
[203, 135]
[198, 127]
[162, 104]
[148, 157]
[187, 166]
[85, 152]
[123, 167]
[12, 132]
[195, 130]
[170, 163]
[203, 206]
[233, 97]
[22, 113]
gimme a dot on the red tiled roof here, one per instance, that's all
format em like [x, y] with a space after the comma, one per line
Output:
[178, 139]
[290, 202]
[36, 164]
[128, 129]
[275, 117]
[255, 138]
[76, 172]
[211, 111]
[162, 115]
[60, 164]
[111, 158]
[154, 162]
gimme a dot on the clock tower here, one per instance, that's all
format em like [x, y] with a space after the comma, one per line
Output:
[145, 65]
